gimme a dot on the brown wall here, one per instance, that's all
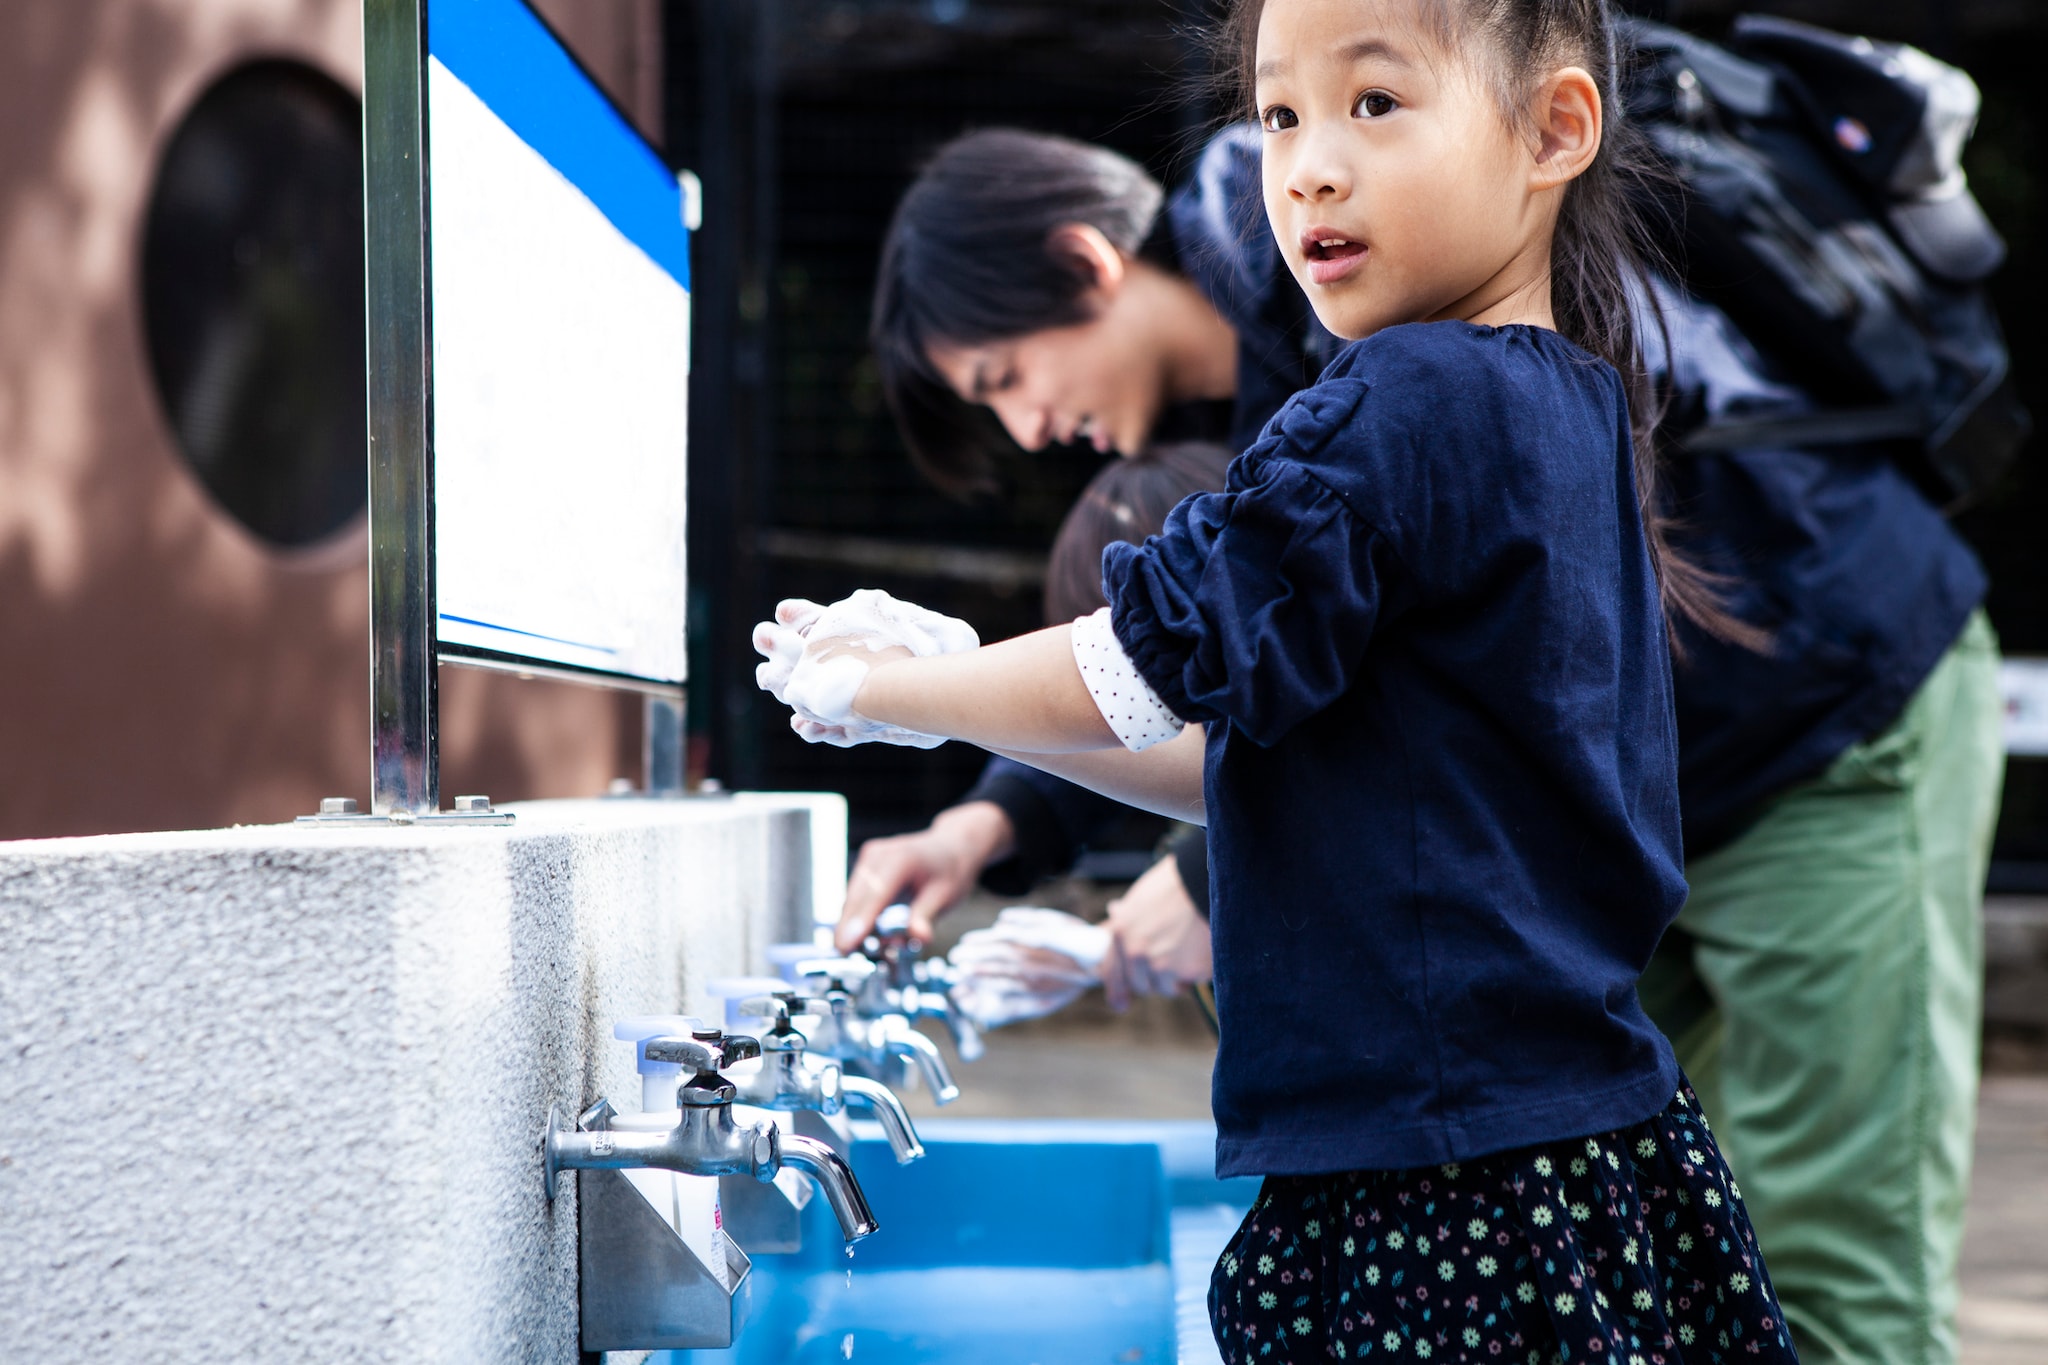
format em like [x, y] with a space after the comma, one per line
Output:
[160, 667]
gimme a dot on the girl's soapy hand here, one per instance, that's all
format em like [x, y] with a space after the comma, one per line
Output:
[824, 685]
[817, 658]
[781, 643]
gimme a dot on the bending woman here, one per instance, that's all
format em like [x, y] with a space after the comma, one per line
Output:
[1057, 287]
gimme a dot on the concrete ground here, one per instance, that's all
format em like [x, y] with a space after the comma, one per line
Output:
[1154, 1062]
[2004, 1310]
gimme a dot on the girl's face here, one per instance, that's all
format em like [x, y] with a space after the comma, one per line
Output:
[1100, 382]
[1394, 186]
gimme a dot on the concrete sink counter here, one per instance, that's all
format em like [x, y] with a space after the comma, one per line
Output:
[277, 1093]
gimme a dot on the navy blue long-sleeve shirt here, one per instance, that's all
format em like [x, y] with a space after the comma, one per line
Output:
[1422, 626]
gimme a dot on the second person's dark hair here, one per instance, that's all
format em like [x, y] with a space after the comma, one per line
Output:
[1125, 502]
[968, 260]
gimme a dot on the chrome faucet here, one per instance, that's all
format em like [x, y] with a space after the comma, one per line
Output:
[705, 1140]
[911, 986]
[857, 1029]
[789, 1080]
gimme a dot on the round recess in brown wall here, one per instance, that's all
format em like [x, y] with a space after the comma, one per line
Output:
[252, 296]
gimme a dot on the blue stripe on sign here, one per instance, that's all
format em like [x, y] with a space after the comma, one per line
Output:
[529, 634]
[503, 52]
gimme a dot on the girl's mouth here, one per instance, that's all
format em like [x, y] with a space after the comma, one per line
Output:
[1330, 255]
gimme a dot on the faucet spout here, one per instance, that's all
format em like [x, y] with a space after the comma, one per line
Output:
[835, 1178]
[966, 1037]
[908, 1042]
[783, 1082]
[889, 1112]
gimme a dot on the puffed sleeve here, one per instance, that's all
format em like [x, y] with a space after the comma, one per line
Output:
[1254, 605]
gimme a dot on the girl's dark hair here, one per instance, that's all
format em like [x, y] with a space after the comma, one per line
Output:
[1602, 254]
[969, 259]
[1126, 501]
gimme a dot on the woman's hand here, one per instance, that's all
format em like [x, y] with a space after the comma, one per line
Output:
[934, 868]
[1159, 940]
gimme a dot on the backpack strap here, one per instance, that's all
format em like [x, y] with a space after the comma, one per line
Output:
[1829, 427]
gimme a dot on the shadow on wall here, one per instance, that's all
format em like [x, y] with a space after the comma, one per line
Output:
[161, 666]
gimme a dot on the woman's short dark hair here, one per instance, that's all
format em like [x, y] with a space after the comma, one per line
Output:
[969, 260]
[1126, 501]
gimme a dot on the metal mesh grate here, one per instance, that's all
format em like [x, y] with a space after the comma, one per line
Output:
[863, 93]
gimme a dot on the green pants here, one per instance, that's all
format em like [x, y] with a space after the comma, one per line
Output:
[1824, 988]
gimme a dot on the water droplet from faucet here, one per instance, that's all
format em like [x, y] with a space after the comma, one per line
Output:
[846, 1347]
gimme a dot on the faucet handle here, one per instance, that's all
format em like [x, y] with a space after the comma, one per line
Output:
[776, 1009]
[706, 1050]
[846, 974]
[890, 946]
[779, 1008]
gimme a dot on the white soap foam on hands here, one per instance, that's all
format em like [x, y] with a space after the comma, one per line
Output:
[1030, 963]
[821, 690]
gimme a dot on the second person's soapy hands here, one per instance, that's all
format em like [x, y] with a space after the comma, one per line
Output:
[816, 659]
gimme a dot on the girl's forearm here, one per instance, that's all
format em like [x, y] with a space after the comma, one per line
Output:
[1023, 695]
[1024, 699]
[1165, 779]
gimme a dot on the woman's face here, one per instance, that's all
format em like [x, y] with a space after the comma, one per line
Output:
[1101, 381]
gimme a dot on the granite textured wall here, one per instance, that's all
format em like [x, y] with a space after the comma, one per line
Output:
[275, 1093]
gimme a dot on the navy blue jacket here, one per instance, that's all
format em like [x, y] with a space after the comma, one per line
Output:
[1422, 626]
[1861, 583]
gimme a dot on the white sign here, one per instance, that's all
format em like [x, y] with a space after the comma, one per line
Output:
[561, 345]
[2023, 686]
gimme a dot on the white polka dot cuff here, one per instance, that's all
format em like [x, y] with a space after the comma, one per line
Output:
[1134, 712]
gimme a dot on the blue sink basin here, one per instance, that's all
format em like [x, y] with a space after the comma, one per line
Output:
[1012, 1243]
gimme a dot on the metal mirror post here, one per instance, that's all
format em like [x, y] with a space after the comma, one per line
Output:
[404, 700]
[407, 589]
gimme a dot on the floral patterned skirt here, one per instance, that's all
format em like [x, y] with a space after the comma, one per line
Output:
[1629, 1247]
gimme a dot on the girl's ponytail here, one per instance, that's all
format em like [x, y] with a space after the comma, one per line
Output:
[1602, 259]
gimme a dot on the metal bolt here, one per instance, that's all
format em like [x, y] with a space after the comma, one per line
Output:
[337, 805]
[473, 804]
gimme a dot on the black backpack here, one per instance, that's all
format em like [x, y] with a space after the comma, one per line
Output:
[1820, 205]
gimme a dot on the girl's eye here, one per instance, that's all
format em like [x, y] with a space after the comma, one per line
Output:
[1278, 119]
[1374, 104]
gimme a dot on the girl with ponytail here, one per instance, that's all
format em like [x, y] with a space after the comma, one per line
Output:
[1411, 669]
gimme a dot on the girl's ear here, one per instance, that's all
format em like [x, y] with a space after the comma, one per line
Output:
[1084, 244]
[1568, 123]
